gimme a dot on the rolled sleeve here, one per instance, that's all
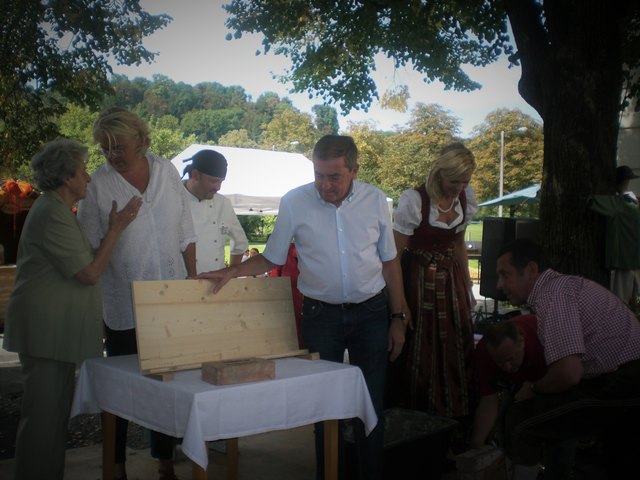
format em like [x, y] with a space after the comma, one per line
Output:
[408, 215]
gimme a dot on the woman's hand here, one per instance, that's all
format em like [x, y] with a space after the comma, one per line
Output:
[118, 221]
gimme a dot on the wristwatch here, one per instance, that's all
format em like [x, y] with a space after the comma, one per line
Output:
[401, 315]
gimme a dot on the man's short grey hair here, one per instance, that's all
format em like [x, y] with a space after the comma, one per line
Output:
[56, 161]
[336, 146]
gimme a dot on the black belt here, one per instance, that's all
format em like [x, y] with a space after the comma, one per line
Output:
[345, 306]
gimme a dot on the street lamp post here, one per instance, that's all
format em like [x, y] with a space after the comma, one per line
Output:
[501, 184]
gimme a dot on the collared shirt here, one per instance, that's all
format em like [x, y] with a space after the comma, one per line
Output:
[408, 215]
[151, 247]
[214, 220]
[533, 364]
[340, 249]
[577, 316]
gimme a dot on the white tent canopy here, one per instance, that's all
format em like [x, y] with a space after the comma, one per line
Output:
[256, 179]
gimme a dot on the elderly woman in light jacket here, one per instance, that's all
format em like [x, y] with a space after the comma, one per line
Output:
[54, 315]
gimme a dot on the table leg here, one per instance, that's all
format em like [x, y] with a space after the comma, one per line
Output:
[108, 445]
[232, 459]
[198, 473]
[331, 449]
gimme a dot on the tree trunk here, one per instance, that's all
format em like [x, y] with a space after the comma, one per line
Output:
[576, 90]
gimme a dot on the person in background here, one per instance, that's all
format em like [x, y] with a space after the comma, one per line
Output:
[290, 269]
[54, 314]
[622, 248]
[213, 217]
[591, 343]
[349, 276]
[246, 255]
[509, 354]
[252, 253]
[436, 374]
[159, 244]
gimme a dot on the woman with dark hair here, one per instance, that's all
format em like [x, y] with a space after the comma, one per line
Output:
[54, 315]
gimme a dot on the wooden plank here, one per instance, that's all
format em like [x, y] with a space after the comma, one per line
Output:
[303, 353]
[180, 324]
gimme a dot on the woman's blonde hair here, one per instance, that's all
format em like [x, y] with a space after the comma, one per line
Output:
[454, 161]
[118, 122]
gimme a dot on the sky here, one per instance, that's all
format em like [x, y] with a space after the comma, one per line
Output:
[193, 49]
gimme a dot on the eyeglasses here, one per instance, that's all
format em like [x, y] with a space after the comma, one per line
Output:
[112, 152]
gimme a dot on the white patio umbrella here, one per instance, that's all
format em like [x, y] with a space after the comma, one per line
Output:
[526, 195]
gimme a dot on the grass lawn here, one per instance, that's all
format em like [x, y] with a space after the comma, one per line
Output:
[474, 232]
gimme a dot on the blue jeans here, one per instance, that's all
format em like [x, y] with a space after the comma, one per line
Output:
[362, 330]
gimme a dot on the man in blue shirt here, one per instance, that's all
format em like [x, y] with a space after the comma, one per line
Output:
[349, 276]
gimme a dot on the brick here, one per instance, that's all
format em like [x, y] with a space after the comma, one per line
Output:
[227, 372]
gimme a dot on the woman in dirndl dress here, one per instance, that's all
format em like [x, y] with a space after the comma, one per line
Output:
[436, 370]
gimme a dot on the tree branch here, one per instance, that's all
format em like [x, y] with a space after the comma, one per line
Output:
[531, 40]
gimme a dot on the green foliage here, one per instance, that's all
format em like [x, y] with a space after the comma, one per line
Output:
[165, 121]
[523, 153]
[326, 119]
[58, 51]
[290, 130]
[257, 227]
[237, 138]
[433, 121]
[396, 162]
[76, 123]
[396, 99]
[332, 44]
[573, 77]
[210, 125]
[372, 146]
[407, 162]
[410, 153]
[168, 143]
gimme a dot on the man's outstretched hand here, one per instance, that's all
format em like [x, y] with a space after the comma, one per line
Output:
[219, 278]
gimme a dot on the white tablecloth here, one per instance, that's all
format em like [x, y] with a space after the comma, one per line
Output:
[303, 392]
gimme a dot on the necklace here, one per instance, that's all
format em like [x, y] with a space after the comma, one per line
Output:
[447, 210]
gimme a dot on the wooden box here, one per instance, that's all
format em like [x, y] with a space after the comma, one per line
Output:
[180, 324]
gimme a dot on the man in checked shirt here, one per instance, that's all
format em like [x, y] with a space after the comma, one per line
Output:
[591, 343]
